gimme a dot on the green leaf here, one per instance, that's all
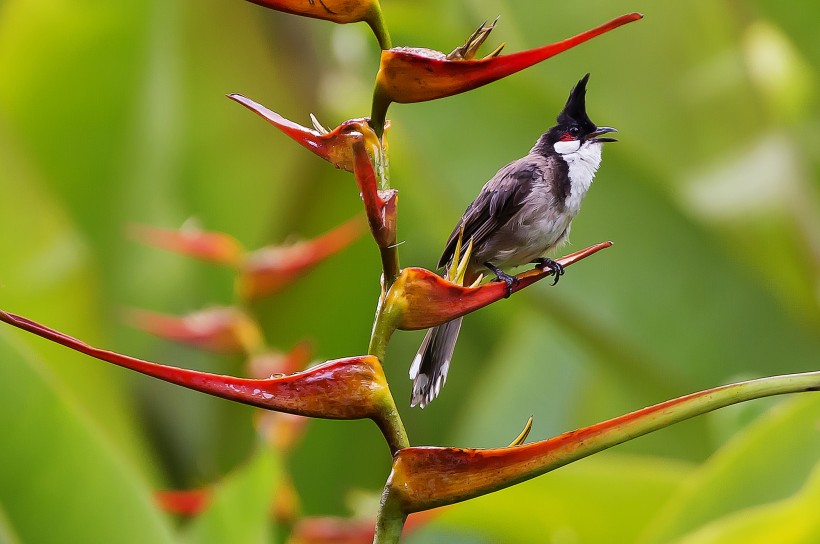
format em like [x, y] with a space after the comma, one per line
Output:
[47, 271]
[768, 461]
[7, 535]
[540, 370]
[61, 479]
[240, 509]
[790, 521]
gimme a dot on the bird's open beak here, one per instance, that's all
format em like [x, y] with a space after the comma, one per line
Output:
[593, 136]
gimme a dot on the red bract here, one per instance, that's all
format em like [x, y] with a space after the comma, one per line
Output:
[334, 146]
[379, 205]
[421, 299]
[350, 388]
[380, 208]
[338, 11]
[330, 530]
[208, 246]
[192, 502]
[279, 429]
[215, 329]
[429, 477]
[415, 74]
[188, 502]
[267, 270]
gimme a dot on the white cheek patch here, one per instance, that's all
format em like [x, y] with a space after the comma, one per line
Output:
[567, 147]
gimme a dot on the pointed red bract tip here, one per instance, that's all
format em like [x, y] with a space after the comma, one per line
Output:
[334, 146]
[416, 75]
[214, 247]
[350, 388]
[271, 268]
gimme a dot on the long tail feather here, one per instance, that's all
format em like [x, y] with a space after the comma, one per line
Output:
[430, 366]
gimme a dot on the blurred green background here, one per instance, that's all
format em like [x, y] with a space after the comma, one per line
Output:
[113, 113]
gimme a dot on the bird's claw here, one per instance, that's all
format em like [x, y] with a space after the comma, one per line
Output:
[557, 268]
[511, 282]
[500, 275]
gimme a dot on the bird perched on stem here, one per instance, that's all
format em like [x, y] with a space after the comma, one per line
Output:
[524, 211]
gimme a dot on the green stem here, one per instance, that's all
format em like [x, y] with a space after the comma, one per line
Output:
[378, 344]
[389, 420]
[390, 265]
[381, 165]
[387, 245]
[383, 327]
[390, 520]
[378, 110]
[391, 425]
[380, 203]
[377, 24]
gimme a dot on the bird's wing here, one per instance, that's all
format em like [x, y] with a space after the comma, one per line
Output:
[499, 200]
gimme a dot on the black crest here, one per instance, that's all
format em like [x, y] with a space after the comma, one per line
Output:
[575, 110]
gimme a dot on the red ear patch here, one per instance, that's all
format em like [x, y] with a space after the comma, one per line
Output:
[567, 137]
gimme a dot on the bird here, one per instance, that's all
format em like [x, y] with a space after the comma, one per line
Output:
[523, 212]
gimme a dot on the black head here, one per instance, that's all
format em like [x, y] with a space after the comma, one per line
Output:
[574, 125]
[574, 114]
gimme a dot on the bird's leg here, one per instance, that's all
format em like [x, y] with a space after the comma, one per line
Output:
[500, 275]
[557, 268]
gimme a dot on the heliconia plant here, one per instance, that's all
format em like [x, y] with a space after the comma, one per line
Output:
[355, 387]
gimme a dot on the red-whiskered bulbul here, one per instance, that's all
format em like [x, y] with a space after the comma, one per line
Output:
[522, 213]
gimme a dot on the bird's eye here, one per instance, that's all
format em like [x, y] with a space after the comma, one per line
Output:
[571, 134]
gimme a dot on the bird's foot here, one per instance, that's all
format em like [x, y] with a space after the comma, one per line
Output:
[557, 268]
[500, 275]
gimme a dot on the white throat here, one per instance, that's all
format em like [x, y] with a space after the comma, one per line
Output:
[583, 162]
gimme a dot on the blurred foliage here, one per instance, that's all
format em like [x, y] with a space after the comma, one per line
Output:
[113, 113]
